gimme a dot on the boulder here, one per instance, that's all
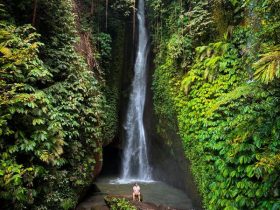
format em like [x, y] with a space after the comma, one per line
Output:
[109, 200]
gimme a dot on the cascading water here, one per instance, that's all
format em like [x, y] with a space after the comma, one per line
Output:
[135, 164]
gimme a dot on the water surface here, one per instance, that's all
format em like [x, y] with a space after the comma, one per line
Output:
[154, 192]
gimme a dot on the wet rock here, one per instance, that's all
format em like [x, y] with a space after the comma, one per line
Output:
[139, 205]
[95, 202]
[100, 208]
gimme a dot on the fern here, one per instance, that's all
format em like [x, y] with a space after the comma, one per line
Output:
[268, 66]
[241, 91]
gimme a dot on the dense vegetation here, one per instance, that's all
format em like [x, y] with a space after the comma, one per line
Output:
[216, 80]
[217, 69]
[119, 203]
[58, 102]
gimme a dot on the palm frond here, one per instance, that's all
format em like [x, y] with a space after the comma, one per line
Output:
[268, 67]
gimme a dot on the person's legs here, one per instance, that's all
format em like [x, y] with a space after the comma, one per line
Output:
[137, 196]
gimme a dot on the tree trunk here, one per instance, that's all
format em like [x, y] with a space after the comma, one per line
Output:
[92, 7]
[98, 21]
[106, 25]
[34, 12]
[134, 16]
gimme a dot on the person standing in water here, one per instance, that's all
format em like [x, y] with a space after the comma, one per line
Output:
[136, 192]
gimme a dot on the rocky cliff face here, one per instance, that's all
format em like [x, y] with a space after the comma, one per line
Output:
[166, 150]
[120, 78]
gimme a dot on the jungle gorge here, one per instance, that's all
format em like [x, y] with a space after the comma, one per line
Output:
[212, 111]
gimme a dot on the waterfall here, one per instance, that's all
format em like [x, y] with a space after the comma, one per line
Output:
[135, 163]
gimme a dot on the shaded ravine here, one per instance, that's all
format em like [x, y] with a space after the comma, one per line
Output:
[135, 165]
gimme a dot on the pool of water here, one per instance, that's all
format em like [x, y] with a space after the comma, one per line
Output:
[154, 192]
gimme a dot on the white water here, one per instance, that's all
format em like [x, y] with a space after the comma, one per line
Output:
[135, 164]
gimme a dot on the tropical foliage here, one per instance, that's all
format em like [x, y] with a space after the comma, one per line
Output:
[222, 85]
[119, 203]
[216, 83]
[56, 108]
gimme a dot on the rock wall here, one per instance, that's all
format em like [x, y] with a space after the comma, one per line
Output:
[166, 150]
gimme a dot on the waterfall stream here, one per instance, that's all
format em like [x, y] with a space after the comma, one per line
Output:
[135, 163]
